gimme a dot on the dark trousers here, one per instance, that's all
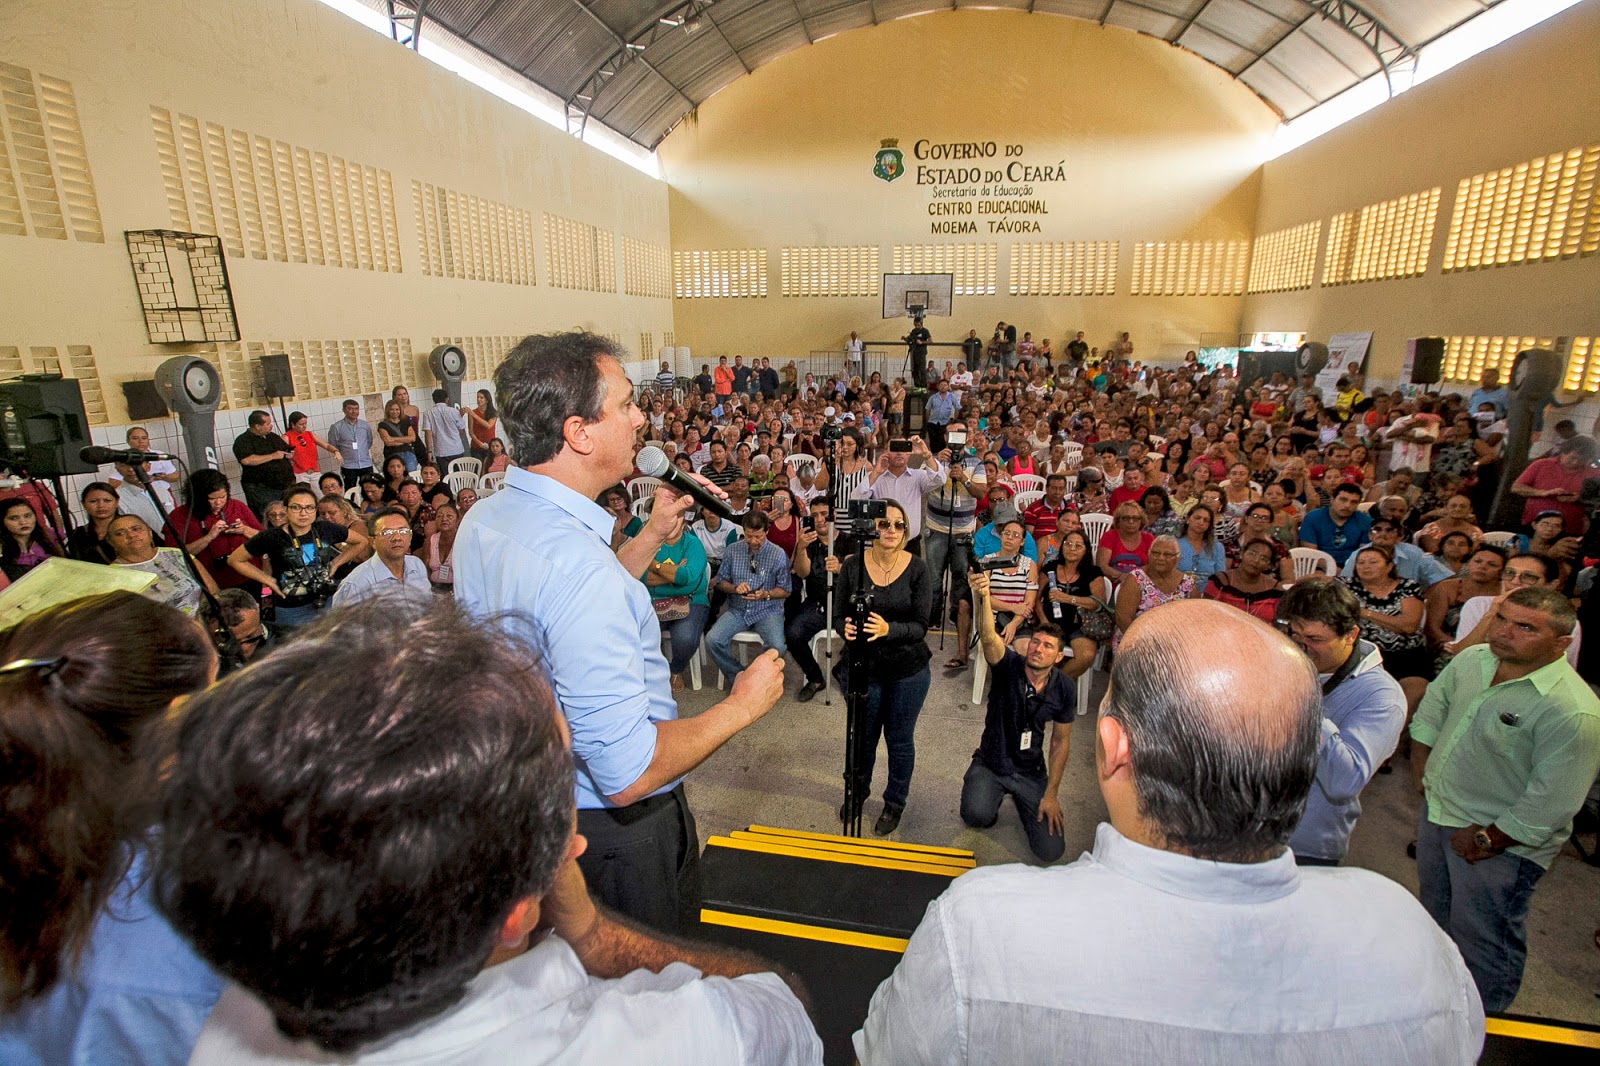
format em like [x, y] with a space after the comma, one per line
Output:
[936, 436]
[919, 368]
[983, 789]
[352, 475]
[890, 711]
[798, 633]
[257, 496]
[643, 861]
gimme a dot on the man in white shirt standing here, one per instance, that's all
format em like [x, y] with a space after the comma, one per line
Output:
[854, 349]
[162, 473]
[1206, 943]
[445, 428]
[450, 921]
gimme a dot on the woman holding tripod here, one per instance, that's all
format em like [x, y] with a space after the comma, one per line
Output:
[891, 644]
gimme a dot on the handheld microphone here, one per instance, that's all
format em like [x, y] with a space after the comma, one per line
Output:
[94, 453]
[653, 462]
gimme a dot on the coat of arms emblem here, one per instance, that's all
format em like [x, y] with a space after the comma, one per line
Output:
[889, 163]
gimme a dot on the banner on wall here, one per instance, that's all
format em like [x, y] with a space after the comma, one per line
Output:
[1347, 352]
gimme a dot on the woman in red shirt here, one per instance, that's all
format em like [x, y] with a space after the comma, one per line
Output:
[212, 524]
[304, 444]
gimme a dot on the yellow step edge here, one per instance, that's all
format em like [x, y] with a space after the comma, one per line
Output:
[802, 852]
[858, 847]
[1547, 1034]
[769, 830]
[805, 932]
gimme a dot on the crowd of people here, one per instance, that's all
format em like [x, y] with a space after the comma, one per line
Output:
[1047, 510]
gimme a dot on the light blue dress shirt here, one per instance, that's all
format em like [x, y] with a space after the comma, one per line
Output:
[1201, 564]
[139, 995]
[373, 578]
[542, 552]
[1410, 562]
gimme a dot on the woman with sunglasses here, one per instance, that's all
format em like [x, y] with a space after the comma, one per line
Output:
[894, 652]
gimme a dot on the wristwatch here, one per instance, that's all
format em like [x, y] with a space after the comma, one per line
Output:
[1483, 840]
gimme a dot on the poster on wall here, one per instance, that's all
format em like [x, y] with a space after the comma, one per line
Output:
[1347, 352]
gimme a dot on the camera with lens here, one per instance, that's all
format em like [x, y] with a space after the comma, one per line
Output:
[831, 431]
[308, 582]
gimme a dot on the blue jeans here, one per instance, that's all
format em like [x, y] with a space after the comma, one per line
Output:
[983, 789]
[720, 639]
[1483, 906]
[685, 636]
[410, 459]
[891, 710]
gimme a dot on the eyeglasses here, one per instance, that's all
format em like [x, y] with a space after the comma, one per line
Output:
[302, 507]
[1523, 577]
[885, 524]
[402, 531]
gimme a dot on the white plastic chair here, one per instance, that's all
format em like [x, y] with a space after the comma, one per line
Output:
[643, 487]
[1365, 507]
[1157, 442]
[746, 638]
[1308, 561]
[1501, 538]
[465, 464]
[831, 639]
[461, 479]
[1025, 500]
[641, 508]
[489, 484]
[1095, 526]
[1027, 482]
[353, 494]
[1072, 483]
[1074, 453]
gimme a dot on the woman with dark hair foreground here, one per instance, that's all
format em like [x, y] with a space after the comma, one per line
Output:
[89, 973]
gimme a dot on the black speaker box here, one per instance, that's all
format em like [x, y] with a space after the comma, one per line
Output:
[1427, 365]
[276, 377]
[144, 401]
[916, 409]
[43, 426]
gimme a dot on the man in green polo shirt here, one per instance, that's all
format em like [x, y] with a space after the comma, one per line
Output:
[1505, 746]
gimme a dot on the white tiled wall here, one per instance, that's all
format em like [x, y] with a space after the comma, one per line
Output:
[165, 435]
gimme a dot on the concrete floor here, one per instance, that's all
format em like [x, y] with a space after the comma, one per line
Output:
[786, 771]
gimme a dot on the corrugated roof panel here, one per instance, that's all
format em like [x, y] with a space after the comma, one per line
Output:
[838, 20]
[1079, 9]
[1278, 90]
[755, 23]
[1319, 72]
[785, 39]
[1143, 20]
[1333, 40]
[558, 44]
[569, 60]
[1229, 55]
[1243, 23]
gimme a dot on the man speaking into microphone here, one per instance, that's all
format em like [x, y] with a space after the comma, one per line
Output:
[539, 551]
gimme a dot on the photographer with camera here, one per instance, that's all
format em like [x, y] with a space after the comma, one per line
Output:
[303, 556]
[888, 614]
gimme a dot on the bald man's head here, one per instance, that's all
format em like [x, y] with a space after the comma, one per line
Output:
[1223, 716]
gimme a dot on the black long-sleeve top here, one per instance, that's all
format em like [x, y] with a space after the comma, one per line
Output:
[905, 604]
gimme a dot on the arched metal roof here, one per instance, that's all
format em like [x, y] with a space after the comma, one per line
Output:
[640, 66]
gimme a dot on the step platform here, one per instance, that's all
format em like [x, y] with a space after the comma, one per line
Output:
[837, 911]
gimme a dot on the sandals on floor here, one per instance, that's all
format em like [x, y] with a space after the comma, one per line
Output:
[956, 664]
